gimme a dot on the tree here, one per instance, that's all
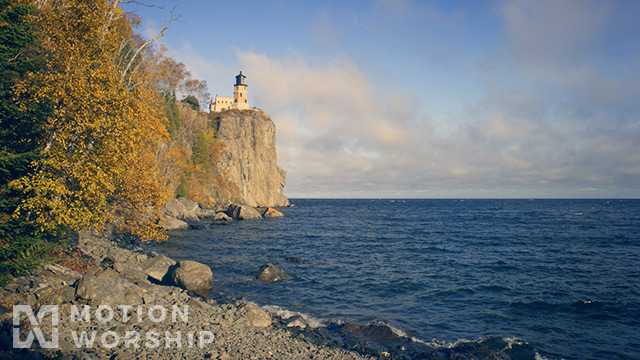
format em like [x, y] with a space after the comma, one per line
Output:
[21, 139]
[98, 160]
[192, 101]
[199, 90]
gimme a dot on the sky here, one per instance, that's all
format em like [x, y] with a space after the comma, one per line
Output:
[429, 99]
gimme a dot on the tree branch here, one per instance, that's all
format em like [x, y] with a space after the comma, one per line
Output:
[163, 29]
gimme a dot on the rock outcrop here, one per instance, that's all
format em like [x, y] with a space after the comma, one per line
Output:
[249, 170]
[243, 212]
[270, 213]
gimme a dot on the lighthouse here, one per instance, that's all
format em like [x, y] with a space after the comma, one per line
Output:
[239, 100]
[240, 92]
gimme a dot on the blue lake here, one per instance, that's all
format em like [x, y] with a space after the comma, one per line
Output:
[559, 279]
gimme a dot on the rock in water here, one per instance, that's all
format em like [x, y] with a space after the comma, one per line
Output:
[158, 268]
[243, 212]
[297, 321]
[272, 214]
[269, 273]
[222, 217]
[294, 259]
[193, 276]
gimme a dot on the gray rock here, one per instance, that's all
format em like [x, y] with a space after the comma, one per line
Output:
[192, 209]
[207, 214]
[269, 273]
[193, 276]
[243, 212]
[61, 270]
[133, 294]
[296, 321]
[101, 291]
[222, 217]
[174, 208]
[172, 223]
[158, 268]
[256, 316]
[130, 270]
[183, 209]
[108, 272]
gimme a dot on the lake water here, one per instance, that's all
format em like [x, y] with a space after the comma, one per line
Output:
[555, 279]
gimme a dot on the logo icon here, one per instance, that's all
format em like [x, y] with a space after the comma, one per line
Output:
[34, 322]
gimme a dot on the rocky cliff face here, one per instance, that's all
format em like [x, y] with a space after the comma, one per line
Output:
[249, 171]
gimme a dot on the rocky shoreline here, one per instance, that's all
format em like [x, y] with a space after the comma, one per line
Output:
[128, 303]
[181, 212]
[123, 303]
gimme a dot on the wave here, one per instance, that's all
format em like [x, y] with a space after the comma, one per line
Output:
[285, 315]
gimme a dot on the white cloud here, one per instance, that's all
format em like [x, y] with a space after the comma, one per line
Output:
[339, 135]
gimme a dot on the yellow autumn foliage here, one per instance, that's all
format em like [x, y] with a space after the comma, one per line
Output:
[99, 163]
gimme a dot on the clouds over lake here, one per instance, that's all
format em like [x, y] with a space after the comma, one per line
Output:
[519, 98]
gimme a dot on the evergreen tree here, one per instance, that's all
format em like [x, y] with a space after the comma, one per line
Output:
[193, 101]
[22, 244]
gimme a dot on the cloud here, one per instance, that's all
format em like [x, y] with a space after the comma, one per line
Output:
[554, 113]
[341, 135]
[555, 32]
[332, 126]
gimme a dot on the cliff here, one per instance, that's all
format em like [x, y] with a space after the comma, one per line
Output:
[248, 169]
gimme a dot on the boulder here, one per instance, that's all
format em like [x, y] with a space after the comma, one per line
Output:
[183, 209]
[270, 213]
[243, 212]
[256, 316]
[192, 209]
[158, 268]
[222, 217]
[130, 270]
[133, 294]
[296, 321]
[101, 290]
[174, 208]
[171, 223]
[269, 273]
[193, 276]
[207, 214]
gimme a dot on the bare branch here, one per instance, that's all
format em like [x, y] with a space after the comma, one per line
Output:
[14, 58]
[163, 29]
[141, 4]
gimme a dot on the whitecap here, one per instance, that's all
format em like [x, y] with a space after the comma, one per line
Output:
[285, 314]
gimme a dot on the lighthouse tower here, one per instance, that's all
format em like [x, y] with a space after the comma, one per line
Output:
[238, 101]
[240, 93]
